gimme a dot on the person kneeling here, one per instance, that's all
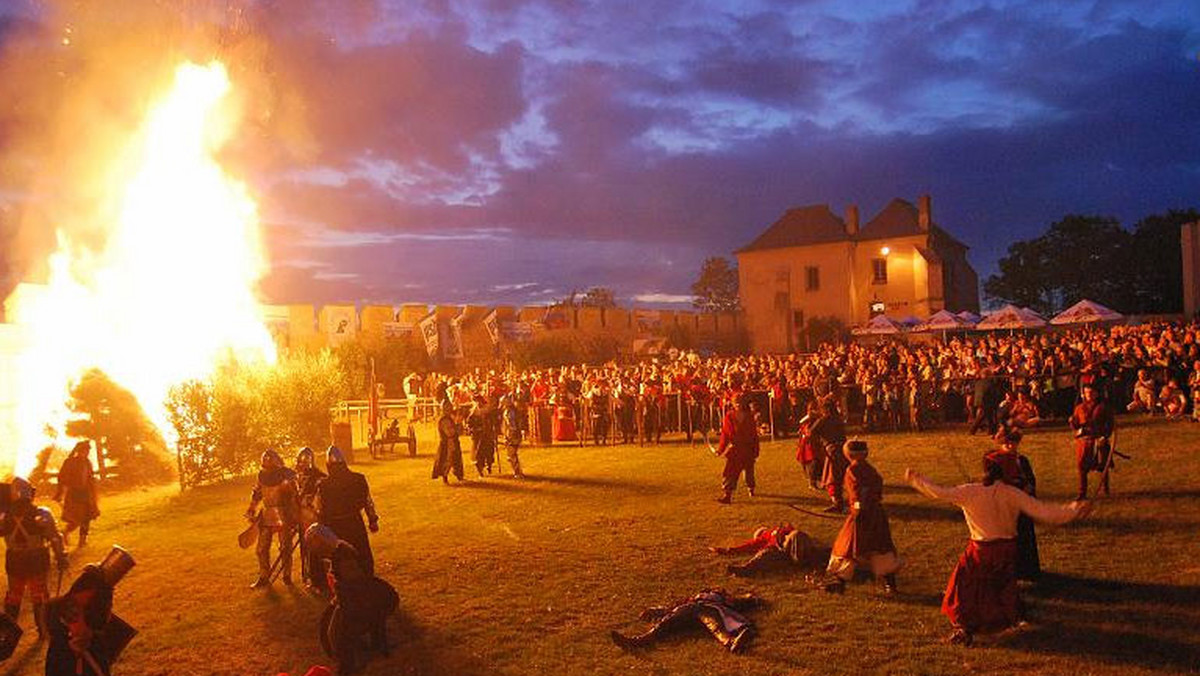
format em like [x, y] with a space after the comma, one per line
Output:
[359, 605]
[865, 538]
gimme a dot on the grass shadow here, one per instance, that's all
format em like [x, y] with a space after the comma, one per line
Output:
[594, 482]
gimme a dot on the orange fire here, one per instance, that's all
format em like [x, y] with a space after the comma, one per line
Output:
[169, 293]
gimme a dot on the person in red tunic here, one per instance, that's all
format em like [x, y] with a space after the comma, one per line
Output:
[865, 538]
[739, 447]
[1016, 471]
[981, 595]
[777, 548]
[1093, 423]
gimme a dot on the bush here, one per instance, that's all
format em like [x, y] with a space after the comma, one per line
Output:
[225, 423]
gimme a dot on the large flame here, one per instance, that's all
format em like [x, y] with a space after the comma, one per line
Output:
[169, 292]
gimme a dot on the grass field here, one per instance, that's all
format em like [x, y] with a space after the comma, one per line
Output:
[499, 576]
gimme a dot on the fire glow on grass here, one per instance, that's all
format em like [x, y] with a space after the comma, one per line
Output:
[171, 289]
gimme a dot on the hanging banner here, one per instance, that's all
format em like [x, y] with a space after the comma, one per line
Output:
[492, 323]
[341, 323]
[450, 333]
[429, 330]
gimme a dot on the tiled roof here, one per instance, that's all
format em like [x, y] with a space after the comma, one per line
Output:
[800, 226]
[816, 224]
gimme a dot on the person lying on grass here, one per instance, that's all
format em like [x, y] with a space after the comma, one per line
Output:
[780, 548]
[717, 610]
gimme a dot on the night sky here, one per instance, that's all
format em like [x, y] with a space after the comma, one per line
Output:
[509, 151]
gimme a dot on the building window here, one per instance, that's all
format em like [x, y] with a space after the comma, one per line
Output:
[782, 276]
[782, 301]
[879, 271]
[812, 278]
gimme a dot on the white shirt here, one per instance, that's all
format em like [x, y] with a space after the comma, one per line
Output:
[992, 511]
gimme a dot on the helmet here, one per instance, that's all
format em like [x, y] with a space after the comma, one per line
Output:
[85, 446]
[320, 539]
[22, 490]
[334, 455]
[304, 457]
[116, 564]
[271, 459]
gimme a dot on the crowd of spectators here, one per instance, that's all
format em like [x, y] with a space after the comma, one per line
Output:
[1019, 379]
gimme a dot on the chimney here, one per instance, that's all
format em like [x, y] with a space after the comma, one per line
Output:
[924, 213]
[852, 220]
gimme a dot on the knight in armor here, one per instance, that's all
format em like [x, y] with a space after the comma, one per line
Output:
[718, 611]
[481, 424]
[308, 477]
[341, 500]
[276, 492]
[449, 456]
[512, 417]
[85, 636]
[30, 535]
[359, 605]
[77, 492]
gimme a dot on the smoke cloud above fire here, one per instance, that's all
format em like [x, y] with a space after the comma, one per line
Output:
[387, 141]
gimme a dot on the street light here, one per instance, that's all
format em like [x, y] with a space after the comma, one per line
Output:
[885, 250]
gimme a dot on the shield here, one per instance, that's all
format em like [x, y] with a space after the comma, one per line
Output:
[248, 537]
[116, 636]
[10, 636]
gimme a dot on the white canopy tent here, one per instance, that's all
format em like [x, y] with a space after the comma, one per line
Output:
[944, 320]
[1011, 317]
[1086, 312]
[880, 325]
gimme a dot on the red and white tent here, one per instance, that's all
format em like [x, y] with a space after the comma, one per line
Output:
[1086, 312]
[944, 320]
[1011, 317]
[880, 325]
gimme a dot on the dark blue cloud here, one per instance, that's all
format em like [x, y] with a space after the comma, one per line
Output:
[511, 149]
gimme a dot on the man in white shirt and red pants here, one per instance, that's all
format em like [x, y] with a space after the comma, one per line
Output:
[981, 596]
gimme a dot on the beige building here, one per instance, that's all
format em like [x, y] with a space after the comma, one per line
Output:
[812, 263]
[1190, 244]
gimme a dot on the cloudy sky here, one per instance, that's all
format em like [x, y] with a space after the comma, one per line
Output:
[509, 150]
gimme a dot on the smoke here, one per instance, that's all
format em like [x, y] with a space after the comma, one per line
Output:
[76, 78]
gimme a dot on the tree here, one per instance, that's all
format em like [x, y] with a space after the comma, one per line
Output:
[1078, 257]
[1157, 279]
[716, 290]
[127, 443]
[598, 296]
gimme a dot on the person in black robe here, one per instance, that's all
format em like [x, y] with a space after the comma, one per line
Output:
[342, 498]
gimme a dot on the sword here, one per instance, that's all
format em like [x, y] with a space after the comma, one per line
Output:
[708, 442]
[277, 566]
[798, 508]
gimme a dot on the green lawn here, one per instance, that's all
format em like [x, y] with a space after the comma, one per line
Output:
[498, 576]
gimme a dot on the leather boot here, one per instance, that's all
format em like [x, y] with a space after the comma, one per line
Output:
[889, 584]
[731, 641]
